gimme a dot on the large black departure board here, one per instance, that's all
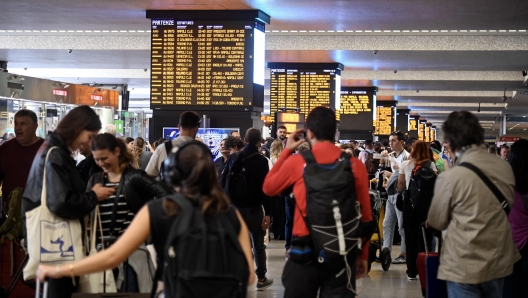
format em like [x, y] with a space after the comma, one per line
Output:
[201, 59]
[304, 86]
[385, 115]
[356, 110]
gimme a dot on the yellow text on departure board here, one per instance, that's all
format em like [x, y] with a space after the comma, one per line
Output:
[384, 120]
[412, 125]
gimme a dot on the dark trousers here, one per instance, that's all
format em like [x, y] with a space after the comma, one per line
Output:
[253, 216]
[289, 208]
[305, 281]
[412, 221]
[516, 285]
[62, 287]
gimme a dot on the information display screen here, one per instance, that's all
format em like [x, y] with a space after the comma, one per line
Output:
[421, 131]
[427, 133]
[292, 121]
[384, 122]
[433, 133]
[413, 124]
[356, 111]
[302, 87]
[205, 63]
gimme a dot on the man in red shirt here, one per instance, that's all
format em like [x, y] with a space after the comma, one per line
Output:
[306, 280]
[16, 155]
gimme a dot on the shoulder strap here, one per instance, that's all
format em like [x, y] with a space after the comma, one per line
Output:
[525, 201]
[308, 156]
[498, 194]
[168, 147]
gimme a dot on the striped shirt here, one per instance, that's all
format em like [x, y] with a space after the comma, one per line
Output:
[123, 215]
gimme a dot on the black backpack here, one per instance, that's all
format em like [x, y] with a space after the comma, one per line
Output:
[238, 179]
[333, 214]
[203, 257]
[421, 187]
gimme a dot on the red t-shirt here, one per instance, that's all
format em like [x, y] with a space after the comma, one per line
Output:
[289, 171]
[15, 164]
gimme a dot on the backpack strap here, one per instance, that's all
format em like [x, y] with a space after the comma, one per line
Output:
[168, 147]
[525, 201]
[498, 194]
[308, 156]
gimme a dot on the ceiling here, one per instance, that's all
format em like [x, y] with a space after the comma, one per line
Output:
[449, 68]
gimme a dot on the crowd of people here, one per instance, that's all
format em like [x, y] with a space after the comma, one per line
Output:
[173, 195]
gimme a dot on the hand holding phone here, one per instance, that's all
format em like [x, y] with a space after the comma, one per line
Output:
[295, 139]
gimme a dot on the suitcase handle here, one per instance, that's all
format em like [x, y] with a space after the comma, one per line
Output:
[425, 240]
[44, 291]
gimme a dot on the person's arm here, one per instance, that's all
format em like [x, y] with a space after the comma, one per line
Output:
[440, 210]
[135, 235]
[62, 200]
[278, 180]
[363, 197]
[362, 156]
[401, 182]
[226, 171]
[243, 238]
[153, 168]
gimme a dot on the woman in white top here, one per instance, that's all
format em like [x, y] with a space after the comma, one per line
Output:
[275, 151]
[415, 215]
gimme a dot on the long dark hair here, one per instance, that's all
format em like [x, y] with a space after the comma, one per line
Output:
[195, 164]
[139, 143]
[108, 142]
[518, 160]
[79, 119]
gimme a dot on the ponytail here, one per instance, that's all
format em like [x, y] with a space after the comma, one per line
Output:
[139, 143]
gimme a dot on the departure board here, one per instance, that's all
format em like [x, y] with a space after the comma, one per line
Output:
[303, 86]
[433, 133]
[413, 125]
[356, 108]
[427, 133]
[421, 131]
[292, 121]
[384, 122]
[197, 62]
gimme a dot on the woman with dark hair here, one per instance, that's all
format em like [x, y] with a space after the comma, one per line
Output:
[129, 143]
[141, 157]
[197, 181]
[67, 196]
[134, 188]
[516, 284]
[413, 217]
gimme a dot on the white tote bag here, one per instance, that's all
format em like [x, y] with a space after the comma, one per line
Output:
[51, 239]
[95, 282]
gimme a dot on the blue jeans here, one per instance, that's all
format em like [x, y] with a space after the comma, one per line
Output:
[288, 227]
[253, 216]
[489, 289]
[392, 214]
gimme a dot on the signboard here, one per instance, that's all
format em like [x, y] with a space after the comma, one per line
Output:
[356, 111]
[206, 58]
[427, 133]
[292, 121]
[509, 139]
[384, 121]
[421, 129]
[119, 124]
[211, 136]
[304, 86]
[60, 92]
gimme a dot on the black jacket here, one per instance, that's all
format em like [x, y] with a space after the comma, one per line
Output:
[66, 192]
[139, 188]
[87, 168]
[257, 170]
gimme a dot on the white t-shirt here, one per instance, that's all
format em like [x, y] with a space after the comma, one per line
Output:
[159, 156]
[408, 166]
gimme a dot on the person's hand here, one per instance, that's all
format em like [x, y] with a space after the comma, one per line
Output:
[103, 193]
[266, 223]
[427, 224]
[291, 143]
[44, 272]
[396, 167]
[361, 268]
[387, 174]
[384, 153]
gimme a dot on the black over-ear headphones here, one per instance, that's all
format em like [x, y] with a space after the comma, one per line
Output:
[172, 174]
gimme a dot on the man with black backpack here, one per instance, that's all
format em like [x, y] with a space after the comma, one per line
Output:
[331, 191]
[242, 180]
[188, 126]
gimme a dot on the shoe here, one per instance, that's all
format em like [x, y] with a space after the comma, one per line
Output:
[400, 260]
[411, 278]
[263, 285]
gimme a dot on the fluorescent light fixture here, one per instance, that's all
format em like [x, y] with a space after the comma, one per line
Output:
[449, 104]
[424, 112]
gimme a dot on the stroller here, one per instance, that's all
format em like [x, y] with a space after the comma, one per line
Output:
[376, 251]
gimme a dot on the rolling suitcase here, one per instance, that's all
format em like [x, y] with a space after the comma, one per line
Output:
[428, 264]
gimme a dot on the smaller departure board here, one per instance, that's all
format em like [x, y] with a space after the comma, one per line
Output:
[421, 132]
[303, 86]
[427, 133]
[292, 121]
[433, 133]
[384, 122]
[413, 123]
[356, 110]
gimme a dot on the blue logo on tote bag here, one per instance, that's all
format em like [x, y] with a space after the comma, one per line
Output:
[56, 243]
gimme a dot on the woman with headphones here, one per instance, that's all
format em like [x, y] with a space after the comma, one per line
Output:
[192, 174]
